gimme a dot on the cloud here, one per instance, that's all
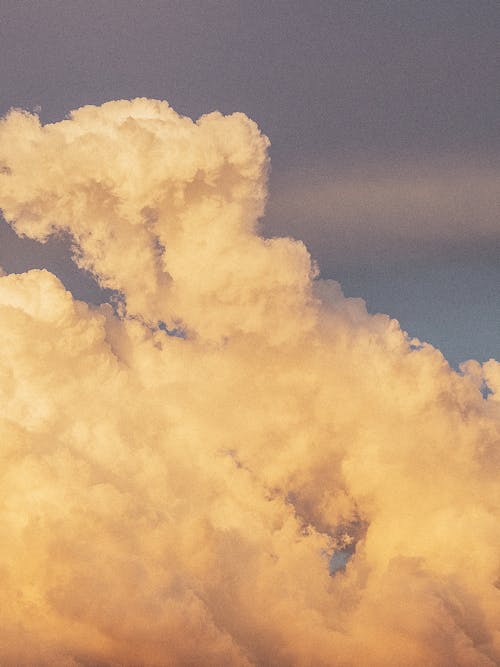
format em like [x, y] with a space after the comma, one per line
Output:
[180, 500]
[424, 209]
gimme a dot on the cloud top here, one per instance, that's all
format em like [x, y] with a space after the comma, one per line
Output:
[160, 208]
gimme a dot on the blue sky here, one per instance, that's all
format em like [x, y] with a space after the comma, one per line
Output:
[383, 119]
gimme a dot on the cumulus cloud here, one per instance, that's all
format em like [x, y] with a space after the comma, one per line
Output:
[288, 480]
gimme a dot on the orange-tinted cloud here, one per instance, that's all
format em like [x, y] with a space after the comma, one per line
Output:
[177, 499]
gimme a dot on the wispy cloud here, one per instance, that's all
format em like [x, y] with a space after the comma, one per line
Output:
[434, 207]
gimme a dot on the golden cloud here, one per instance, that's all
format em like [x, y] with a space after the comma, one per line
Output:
[288, 480]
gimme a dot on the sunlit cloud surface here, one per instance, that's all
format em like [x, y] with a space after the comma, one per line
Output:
[231, 464]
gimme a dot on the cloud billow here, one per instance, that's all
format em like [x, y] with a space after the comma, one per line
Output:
[180, 499]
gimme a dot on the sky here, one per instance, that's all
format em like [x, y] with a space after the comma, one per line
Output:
[383, 119]
[214, 450]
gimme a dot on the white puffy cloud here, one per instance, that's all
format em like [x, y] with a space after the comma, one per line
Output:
[176, 500]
